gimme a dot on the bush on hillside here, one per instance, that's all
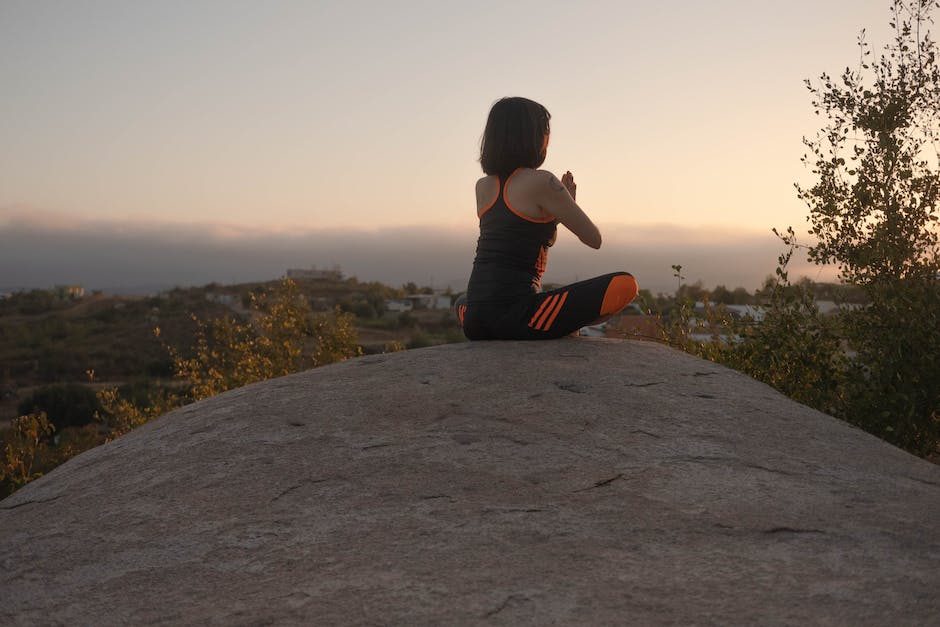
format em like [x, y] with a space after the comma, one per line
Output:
[65, 404]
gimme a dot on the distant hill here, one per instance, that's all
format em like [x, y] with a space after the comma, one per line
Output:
[46, 339]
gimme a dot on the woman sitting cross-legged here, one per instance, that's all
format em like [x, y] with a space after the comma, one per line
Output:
[519, 207]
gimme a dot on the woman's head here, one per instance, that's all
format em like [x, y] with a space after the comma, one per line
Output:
[516, 136]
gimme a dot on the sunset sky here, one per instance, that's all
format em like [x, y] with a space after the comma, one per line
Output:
[257, 123]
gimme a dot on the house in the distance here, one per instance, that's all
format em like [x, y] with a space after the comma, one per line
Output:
[68, 292]
[429, 301]
[315, 274]
[398, 305]
[221, 298]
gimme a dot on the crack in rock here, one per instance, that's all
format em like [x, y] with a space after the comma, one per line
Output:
[775, 471]
[643, 385]
[730, 461]
[602, 482]
[286, 492]
[577, 388]
[705, 459]
[509, 438]
[40, 502]
[932, 483]
[511, 510]
[369, 362]
[512, 598]
[649, 433]
[294, 487]
[776, 530]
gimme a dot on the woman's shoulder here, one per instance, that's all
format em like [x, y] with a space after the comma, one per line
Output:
[486, 184]
[524, 181]
[487, 189]
[487, 180]
[532, 179]
[517, 174]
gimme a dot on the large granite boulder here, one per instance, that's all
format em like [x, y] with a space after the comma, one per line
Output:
[568, 482]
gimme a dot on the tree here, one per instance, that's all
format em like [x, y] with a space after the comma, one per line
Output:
[794, 348]
[284, 337]
[65, 404]
[740, 296]
[24, 442]
[721, 294]
[873, 211]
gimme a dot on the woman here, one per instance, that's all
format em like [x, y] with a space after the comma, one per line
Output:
[519, 207]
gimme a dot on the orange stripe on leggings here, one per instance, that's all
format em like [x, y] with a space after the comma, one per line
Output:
[539, 311]
[542, 313]
[551, 319]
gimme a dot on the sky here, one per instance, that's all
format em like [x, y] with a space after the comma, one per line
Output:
[181, 142]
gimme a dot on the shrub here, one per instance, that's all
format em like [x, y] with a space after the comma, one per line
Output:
[23, 444]
[66, 404]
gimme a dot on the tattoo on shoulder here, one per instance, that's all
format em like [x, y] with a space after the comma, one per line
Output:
[555, 184]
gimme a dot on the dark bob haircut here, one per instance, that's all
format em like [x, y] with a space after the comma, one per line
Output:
[514, 136]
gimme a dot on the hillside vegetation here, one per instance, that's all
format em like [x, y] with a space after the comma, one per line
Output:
[76, 373]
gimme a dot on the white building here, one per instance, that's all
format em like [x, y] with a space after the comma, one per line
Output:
[399, 305]
[221, 298]
[429, 301]
[69, 292]
[743, 311]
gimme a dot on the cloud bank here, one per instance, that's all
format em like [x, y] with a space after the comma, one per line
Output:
[41, 250]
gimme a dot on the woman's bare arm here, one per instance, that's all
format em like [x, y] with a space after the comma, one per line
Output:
[556, 198]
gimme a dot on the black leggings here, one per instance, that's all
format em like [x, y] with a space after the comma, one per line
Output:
[549, 315]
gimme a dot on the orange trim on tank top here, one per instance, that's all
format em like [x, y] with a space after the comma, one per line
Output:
[499, 191]
[519, 213]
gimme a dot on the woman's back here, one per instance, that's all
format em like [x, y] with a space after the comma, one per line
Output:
[520, 195]
[512, 249]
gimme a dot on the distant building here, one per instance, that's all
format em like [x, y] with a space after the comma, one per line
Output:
[398, 304]
[747, 311]
[221, 298]
[429, 301]
[68, 292]
[441, 301]
[315, 274]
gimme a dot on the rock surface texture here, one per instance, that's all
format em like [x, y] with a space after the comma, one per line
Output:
[568, 482]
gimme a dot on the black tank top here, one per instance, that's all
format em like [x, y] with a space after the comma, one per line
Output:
[511, 252]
